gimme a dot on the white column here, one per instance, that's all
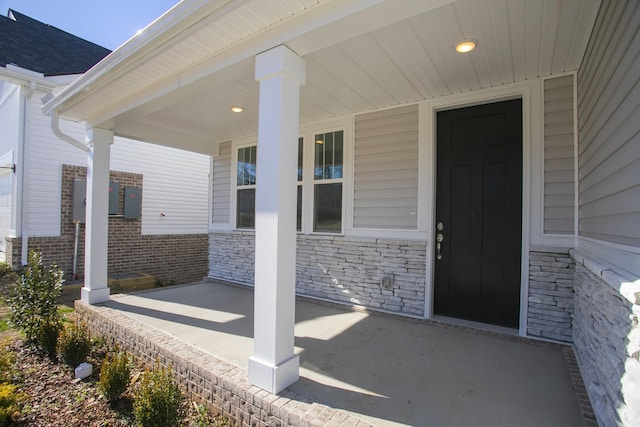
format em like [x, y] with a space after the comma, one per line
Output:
[274, 366]
[95, 288]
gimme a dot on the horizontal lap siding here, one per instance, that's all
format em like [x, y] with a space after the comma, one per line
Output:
[609, 128]
[221, 185]
[559, 187]
[386, 169]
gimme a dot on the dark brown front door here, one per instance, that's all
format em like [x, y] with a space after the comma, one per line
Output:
[479, 213]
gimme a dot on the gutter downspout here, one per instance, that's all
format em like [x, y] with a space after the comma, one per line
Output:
[24, 211]
[55, 127]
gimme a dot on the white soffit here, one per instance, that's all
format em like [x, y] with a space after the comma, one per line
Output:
[361, 55]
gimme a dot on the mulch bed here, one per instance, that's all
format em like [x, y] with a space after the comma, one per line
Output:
[53, 397]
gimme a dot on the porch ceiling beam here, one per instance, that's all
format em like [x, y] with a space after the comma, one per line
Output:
[169, 137]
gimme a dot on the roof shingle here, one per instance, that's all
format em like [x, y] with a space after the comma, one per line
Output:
[40, 47]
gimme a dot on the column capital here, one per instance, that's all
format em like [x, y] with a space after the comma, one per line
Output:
[98, 136]
[280, 61]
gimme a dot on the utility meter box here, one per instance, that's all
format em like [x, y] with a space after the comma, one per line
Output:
[132, 202]
[79, 200]
[79, 206]
[114, 201]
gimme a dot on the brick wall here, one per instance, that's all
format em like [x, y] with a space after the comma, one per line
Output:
[606, 337]
[181, 258]
[550, 294]
[336, 268]
[220, 386]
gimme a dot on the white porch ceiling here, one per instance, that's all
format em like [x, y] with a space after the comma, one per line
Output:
[359, 58]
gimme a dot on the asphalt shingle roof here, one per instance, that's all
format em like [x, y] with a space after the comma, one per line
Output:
[39, 47]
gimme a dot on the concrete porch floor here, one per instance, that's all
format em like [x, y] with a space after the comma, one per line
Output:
[384, 370]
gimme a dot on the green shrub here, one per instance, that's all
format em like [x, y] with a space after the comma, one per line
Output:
[32, 301]
[9, 404]
[74, 344]
[115, 375]
[7, 359]
[158, 400]
[47, 338]
[7, 277]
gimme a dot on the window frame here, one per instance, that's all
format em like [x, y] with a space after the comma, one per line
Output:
[309, 182]
[307, 133]
[233, 200]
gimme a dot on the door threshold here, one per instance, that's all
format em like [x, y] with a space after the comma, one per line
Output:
[477, 325]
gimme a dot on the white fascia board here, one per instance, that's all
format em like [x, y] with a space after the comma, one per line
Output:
[24, 77]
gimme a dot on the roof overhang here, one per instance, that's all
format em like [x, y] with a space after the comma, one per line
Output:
[173, 83]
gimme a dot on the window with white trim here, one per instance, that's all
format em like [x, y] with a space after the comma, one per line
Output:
[246, 187]
[300, 178]
[328, 182]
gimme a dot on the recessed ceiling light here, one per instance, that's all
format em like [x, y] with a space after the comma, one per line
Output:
[237, 109]
[465, 46]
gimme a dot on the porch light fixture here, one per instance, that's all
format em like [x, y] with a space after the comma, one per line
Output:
[237, 109]
[465, 46]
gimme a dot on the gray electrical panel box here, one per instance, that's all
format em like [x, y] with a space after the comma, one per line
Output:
[132, 202]
[79, 207]
[79, 200]
[114, 190]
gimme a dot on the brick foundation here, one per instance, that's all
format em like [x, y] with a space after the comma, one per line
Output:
[220, 386]
[179, 258]
[606, 337]
[337, 268]
[550, 307]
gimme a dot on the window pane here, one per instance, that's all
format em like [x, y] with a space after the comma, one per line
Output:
[318, 170]
[246, 174]
[328, 155]
[299, 213]
[246, 208]
[300, 152]
[328, 208]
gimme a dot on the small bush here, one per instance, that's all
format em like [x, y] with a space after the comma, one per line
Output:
[9, 404]
[74, 344]
[33, 306]
[115, 375]
[47, 338]
[158, 400]
[7, 277]
[7, 359]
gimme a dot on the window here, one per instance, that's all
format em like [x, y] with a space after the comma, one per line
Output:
[246, 187]
[300, 169]
[328, 177]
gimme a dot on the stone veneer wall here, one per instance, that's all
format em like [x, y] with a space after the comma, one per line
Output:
[550, 307]
[181, 258]
[337, 268]
[221, 386]
[606, 337]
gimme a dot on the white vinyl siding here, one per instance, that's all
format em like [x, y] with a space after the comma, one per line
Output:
[386, 169]
[609, 128]
[559, 182]
[221, 185]
[175, 182]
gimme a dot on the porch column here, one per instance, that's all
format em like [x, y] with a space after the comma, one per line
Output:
[274, 366]
[95, 288]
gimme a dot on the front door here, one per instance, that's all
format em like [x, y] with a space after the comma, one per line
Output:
[479, 213]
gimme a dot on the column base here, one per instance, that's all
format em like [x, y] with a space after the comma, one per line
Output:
[95, 296]
[274, 379]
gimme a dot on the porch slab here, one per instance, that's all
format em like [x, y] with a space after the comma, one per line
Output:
[356, 368]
